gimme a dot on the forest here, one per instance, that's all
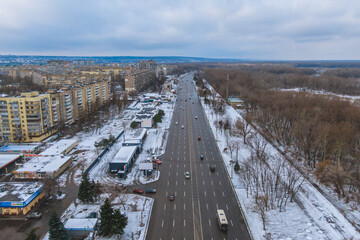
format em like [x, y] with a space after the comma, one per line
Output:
[321, 132]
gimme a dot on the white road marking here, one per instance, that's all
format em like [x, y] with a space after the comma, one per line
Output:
[164, 207]
[207, 206]
[205, 193]
[184, 206]
[166, 193]
[223, 194]
[169, 174]
[227, 207]
[209, 223]
[214, 193]
[162, 223]
[173, 222]
[217, 207]
[168, 183]
[231, 222]
[184, 193]
[220, 183]
[184, 182]
[175, 206]
[184, 224]
[177, 174]
[203, 182]
[170, 165]
[212, 182]
[176, 183]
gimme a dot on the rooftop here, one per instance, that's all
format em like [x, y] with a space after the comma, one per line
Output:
[16, 191]
[18, 148]
[43, 164]
[58, 147]
[80, 223]
[7, 158]
[124, 154]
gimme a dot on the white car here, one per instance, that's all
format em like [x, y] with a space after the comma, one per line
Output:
[196, 117]
[176, 123]
[182, 126]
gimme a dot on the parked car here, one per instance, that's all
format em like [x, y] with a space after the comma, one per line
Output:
[150, 190]
[187, 175]
[34, 215]
[138, 190]
[171, 197]
[158, 161]
[212, 168]
[201, 157]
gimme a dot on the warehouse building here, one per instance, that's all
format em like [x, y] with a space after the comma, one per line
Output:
[19, 198]
[123, 160]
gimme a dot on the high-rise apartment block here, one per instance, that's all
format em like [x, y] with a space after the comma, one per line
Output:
[33, 117]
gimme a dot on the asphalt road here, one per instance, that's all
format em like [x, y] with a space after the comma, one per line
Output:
[192, 214]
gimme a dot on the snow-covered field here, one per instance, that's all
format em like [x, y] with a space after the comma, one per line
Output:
[310, 216]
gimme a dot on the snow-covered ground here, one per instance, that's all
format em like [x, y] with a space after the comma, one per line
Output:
[321, 92]
[137, 208]
[310, 216]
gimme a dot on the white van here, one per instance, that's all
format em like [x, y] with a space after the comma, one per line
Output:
[222, 221]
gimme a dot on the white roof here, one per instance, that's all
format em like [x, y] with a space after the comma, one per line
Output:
[59, 147]
[80, 223]
[44, 164]
[139, 134]
[18, 191]
[6, 158]
[18, 147]
[124, 154]
[137, 141]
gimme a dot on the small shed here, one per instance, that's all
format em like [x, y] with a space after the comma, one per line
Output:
[80, 227]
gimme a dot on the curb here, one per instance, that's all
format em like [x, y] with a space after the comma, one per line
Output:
[147, 222]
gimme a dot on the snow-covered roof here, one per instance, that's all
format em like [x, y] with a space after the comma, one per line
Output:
[81, 223]
[44, 164]
[124, 154]
[59, 147]
[137, 141]
[139, 134]
[19, 192]
[18, 147]
[7, 158]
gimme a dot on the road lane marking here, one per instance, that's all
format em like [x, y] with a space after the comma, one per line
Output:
[174, 206]
[169, 174]
[207, 206]
[176, 183]
[223, 194]
[220, 183]
[203, 182]
[166, 193]
[184, 193]
[162, 223]
[212, 182]
[217, 207]
[214, 193]
[209, 223]
[164, 206]
[184, 182]
[184, 206]
[231, 222]
[227, 207]
[173, 223]
[177, 174]
[168, 183]
[205, 193]
[217, 173]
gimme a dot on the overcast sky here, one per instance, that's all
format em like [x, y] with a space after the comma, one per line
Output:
[255, 29]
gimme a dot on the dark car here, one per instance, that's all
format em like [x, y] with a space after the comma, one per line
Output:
[212, 168]
[199, 138]
[172, 197]
[201, 157]
[150, 190]
[138, 190]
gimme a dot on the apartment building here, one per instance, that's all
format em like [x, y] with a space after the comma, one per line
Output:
[27, 118]
[33, 117]
[139, 80]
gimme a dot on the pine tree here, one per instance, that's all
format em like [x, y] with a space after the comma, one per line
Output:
[119, 222]
[86, 193]
[106, 213]
[32, 235]
[56, 228]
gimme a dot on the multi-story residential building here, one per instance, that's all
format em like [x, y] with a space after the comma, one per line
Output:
[33, 117]
[56, 67]
[27, 118]
[139, 80]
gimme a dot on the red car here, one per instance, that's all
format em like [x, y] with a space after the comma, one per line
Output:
[138, 190]
[199, 138]
[172, 197]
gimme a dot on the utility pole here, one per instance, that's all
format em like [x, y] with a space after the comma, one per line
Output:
[227, 87]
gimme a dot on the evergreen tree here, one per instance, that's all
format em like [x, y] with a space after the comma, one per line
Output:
[56, 228]
[106, 213]
[133, 124]
[32, 235]
[83, 193]
[237, 167]
[119, 222]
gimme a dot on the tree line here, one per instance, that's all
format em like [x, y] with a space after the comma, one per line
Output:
[322, 133]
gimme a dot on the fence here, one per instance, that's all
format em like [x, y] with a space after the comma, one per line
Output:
[97, 160]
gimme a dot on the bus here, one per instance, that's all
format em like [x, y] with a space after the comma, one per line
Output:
[222, 221]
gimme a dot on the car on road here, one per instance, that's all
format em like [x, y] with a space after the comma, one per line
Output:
[212, 167]
[150, 190]
[196, 117]
[171, 197]
[187, 175]
[34, 215]
[182, 126]
[176, 123]
[158, 161]
[138, 190]
[199, 138]
[201, 157]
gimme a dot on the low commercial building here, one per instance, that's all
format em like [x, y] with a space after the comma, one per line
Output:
[7, 161]
[42, 167]
[139, 135]
[124, 159]
[61, 147]
[80, 227]
[19, 198]
[19, 148]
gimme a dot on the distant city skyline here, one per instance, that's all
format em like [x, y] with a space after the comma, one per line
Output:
[258, 29]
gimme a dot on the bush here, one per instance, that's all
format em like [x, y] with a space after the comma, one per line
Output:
[133, 124]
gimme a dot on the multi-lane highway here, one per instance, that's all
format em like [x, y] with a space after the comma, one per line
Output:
[192, 214]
